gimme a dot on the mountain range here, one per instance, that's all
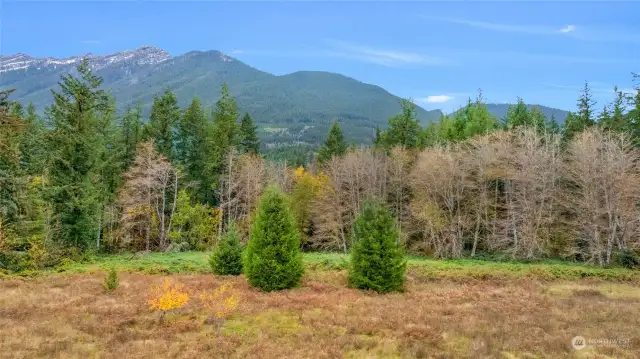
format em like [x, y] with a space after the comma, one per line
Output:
[293, 108]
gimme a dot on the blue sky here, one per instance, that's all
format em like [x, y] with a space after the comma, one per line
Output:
[438, 53]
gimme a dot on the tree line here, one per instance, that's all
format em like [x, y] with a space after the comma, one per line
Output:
[84, 179]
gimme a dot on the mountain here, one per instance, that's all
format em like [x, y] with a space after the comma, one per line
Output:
[297, 107]
[499, 110]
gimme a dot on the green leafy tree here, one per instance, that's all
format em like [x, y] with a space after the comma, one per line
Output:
[334, 145]
[273, 259]
[249, 142]
[165, 114]
[377, 260]
[226, 259]
[74, 157]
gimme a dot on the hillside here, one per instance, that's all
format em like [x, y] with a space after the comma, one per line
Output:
[295, 107]
[500, 111]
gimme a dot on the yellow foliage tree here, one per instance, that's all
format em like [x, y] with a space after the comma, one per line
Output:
[306, 189]
[220, 302]
[167, 297]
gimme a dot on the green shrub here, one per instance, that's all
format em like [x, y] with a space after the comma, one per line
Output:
[226, 259]
[377, 261]
[273, 259]
[627, 258]
[112, 281]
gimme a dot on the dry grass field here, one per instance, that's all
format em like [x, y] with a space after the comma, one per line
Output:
[70, 315]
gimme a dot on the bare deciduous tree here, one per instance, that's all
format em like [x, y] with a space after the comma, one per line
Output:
[148, 197]
[603, 169]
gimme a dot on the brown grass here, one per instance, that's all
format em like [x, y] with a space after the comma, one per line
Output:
[71, 316]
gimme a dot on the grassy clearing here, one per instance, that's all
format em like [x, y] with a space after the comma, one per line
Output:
[455, 270]
[72, 316]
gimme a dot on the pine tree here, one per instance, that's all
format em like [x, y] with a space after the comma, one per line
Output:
[377, 261]
[222, 138]
[249, 142]
[404, 129]
[618, 121]
[273, 260]
[165, 114]
[604, 119]
[377, 139]
[32, 147]
[633, 119]
[517, 115]
[74, 156]
[334, 145]
[226, 259]
[191, 146]
[11, 129]
[131, 135]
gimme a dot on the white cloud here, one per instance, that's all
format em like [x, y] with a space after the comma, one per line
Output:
[384, 57]
[436, 99]
[567, 29]
[528, 29]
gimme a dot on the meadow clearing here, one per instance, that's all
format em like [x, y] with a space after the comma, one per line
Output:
[450, 309]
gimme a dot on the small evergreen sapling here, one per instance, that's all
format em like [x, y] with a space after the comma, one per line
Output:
[112, 281]
[377, 261]
[273, 260]
[226, 259]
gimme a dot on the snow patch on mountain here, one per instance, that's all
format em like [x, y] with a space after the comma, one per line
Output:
[144, 55]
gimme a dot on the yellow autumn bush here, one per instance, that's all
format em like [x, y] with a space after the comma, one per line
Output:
[167, 297]
[220, 302]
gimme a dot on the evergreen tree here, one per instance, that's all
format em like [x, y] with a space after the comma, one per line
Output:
[33, 150]
[377, 260]
[191, 146]
[249, 142]
[222, 138]
[165, 114]
[131, 135]
[11, 128]
[74, 156]
[583, 118]
[377, 139]
[605, 119]
[334, 145]
[552, 125]
[404, 129]
[633, 118]
[226, 259]
[618, 121]
[517, 115]
[273, 260]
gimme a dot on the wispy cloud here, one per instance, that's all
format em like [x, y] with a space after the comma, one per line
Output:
[384, 57]
[527, 29]
[585, 33]
[435, 99]
[237, 52]
[567, 29]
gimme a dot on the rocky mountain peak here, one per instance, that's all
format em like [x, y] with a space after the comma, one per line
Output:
[143, 55]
